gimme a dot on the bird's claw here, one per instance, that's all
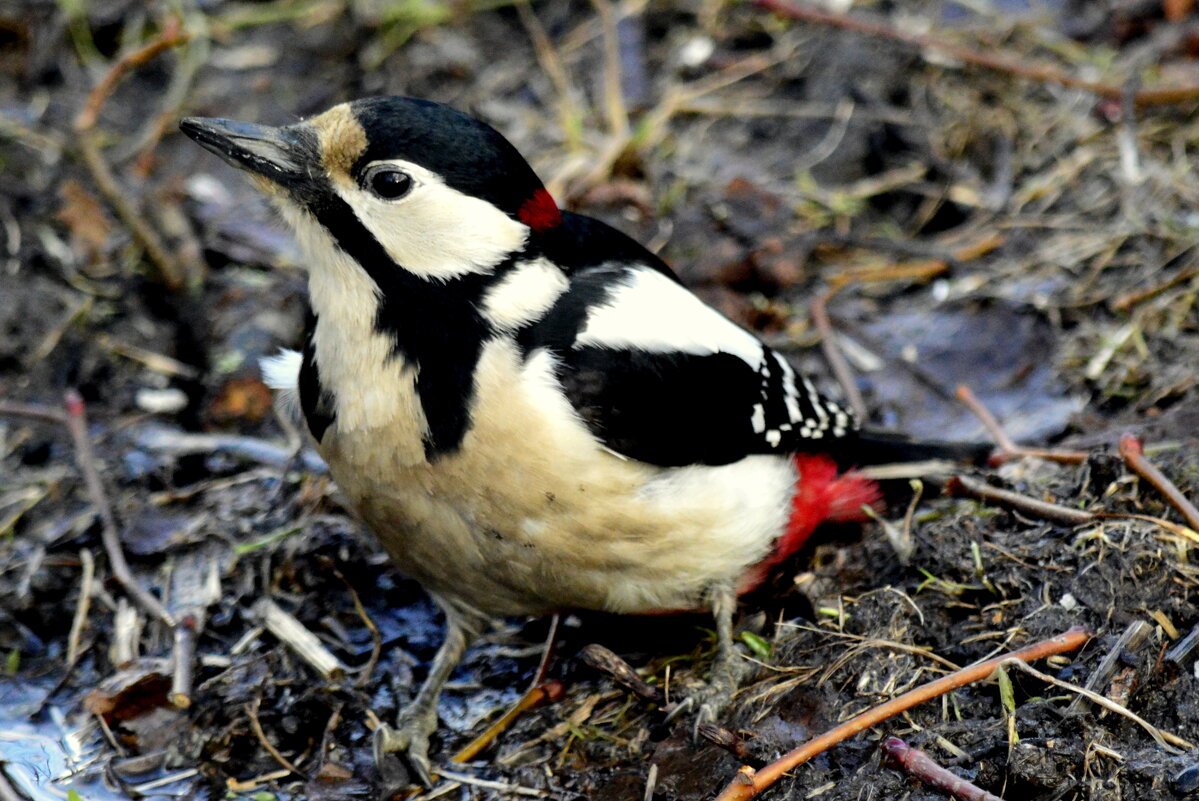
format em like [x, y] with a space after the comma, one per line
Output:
[410, 741]
[712, 699]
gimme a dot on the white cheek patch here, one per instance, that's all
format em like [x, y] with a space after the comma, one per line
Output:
[525, 294]
[651, 312]
[436, 231]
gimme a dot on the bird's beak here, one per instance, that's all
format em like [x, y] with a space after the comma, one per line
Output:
[278, 154]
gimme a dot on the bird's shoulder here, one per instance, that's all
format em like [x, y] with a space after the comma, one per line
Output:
[660, 376]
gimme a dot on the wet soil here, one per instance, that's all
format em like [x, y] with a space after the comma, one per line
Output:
[1031, 241]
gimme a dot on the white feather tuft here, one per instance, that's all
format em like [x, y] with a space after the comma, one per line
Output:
[282, 374]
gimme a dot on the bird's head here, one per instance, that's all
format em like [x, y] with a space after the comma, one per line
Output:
[441, 194]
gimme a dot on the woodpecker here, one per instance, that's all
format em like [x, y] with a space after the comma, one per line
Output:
[526, 407]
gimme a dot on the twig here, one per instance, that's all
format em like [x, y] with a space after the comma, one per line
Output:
[295, 635]
[1163, 738]
[1127, 301]
[964, 486]
[256, 725]
[1131, 639]
[547, 653]
[832, 352]
[748, 783]
[376, 637]
[1134, 456]
[77, 423]
[614, 106]
[182, 657]
[1008, 449]
[549, 692]
[172, 441]
[603, 660]
[920, 765]
[172, 35]
[89, 148]
[85, 604]
[488, 784]
[34, 411]
[1013, 64]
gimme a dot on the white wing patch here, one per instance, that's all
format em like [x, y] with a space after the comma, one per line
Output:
[650, 312]
[525, 294]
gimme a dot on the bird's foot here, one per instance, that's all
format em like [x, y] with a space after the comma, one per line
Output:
[409, 740]
[711, 700]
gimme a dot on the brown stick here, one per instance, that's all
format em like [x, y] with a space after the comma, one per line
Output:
[920, 765]
[1012, 64]
[836, 359]
[183, 655]
[111, 535]
[85, 122]
[1008, 449]
[1134, 456]
[549, 692]
[34, 411]
[749, 783]
[256, 725]
[964, 486]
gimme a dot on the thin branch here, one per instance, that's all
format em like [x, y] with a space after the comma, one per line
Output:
[34, 411]
[920, 765]
[964, 486]
[549, 692]
[832, 352]
[183, 656]
[749, 783]
[1008, 449]
[376, 637]
[1134, 456]
[252, 714]
[1013, 64]
[173, 275]
[86, 459]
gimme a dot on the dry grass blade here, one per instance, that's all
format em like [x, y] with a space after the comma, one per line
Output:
[1163, 738]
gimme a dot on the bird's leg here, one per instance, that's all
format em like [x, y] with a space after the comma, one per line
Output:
[727, 670]
[418, 720]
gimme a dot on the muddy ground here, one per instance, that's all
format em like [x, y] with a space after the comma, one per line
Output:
[981, 225]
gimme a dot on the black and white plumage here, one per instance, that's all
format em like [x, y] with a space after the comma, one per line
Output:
[525, 405]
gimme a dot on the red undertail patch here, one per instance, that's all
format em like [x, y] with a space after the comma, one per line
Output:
[540, 212]
[820, 496]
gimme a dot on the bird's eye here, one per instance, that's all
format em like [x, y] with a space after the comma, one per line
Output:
[387, 183]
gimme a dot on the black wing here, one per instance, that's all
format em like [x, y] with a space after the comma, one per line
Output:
[660, 377]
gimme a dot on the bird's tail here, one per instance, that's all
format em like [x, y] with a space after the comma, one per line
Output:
[872, 447]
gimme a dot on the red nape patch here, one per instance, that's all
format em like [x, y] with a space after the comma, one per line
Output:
[540, 212]
[820, 495]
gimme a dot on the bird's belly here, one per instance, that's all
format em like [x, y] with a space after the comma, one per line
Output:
[515, 536]
[531, 514]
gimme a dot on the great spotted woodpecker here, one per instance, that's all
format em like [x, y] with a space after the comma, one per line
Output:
[527, 408]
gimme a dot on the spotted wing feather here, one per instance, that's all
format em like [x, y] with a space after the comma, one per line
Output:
[660, 377]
